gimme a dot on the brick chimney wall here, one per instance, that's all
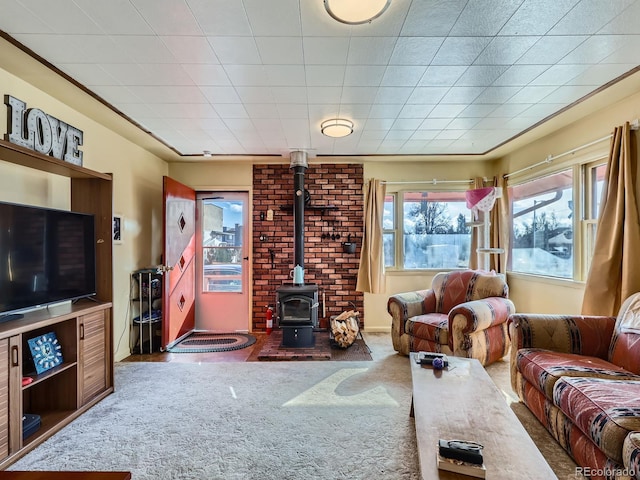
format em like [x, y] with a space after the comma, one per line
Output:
[335, 272]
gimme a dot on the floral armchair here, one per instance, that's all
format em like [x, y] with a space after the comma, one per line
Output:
[464, 314]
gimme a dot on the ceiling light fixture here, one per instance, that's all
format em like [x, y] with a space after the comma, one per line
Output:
[356, 12]
[336, 127]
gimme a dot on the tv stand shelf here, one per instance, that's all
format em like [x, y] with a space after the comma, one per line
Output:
[84, 329]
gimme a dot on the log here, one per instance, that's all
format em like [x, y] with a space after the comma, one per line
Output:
[345, 328]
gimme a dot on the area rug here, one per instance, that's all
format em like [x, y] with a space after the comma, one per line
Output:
[201, 342]
[272, 349]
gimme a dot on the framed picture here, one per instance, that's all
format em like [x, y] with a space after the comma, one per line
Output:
[117, 228]
[45, 351]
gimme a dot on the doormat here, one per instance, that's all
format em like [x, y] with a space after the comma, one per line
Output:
[202, 342]
[322, 350]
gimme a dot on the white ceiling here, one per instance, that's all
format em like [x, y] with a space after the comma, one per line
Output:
[257, 77]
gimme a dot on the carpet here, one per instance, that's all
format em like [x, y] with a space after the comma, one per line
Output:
[323, 349]
[202, 342]
[262, 421]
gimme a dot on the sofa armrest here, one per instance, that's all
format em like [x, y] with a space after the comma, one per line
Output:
[578, 334]
[481, 314]
[403, 306]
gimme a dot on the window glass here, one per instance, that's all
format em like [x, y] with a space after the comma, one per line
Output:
[542, 230]
[597, 179]
[389, 231]
[435, 234]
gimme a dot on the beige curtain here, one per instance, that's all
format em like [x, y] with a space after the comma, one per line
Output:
[499, 235]
[476, 232]
[614, 273]
[371, 272]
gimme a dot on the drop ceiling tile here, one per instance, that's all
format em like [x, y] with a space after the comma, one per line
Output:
[531, 94]
[190, 49]
[589, 16]
[184, 110]
[415, 50]
[415, 111]
[413, 146]
[520, 75]
[509, 110]
[363, 75]
[221, 17]
[215, 94]
[450, 134]
[495, 95]
[231, 110]
[478, 110]
[446, 111]
[116, 94]
[269, 127]
[148, 74]
[624, 55]
[625, 23]
[212, 125]
[354, 111]
[396, 134]
[280, 50]
[374, 134]
[480, 75]
[180, 22]
[379, 123]
[406, 124]
[439, 145]
[153, 124]
[255, 95]
[423, 135]
[321, 111]
[595, 49]
[536, 18]
[370, 50]
[432, 18]
[427, 95]
[116, 17]
[435, 123]
[393, 94]
[599, 74]
[62, 15]
[567, 94]
[460, 50]
[290, 94]
[143, 49]
[16, 19]
[261, 110]
[549, 50]
[388, 111]
[541, 110]
[291, 110]
[274, 18]
[462, 94]
[491, 123]
[359, 94]
[324, 75]
[326, 50]
[168, 94]
[484, 18]
[204, 75]
[328, 95]
[235, 50]
[402, 76]
[559, 74]
[505, 50]
[88, 74]
[462, 123]
[438, 76]
[285, 75]
[245, 75]
[240, 126]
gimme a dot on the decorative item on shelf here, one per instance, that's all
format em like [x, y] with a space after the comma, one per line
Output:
[349, 246]
[46, 352]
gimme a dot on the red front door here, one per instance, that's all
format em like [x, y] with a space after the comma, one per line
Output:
[179, 259]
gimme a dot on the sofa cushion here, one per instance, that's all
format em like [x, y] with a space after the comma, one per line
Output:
[625, 343]
[543, 368]
[430, 326]
[605, 410]
[631, 453]
[454, 288]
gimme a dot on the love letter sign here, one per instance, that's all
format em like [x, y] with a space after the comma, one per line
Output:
[42, 132]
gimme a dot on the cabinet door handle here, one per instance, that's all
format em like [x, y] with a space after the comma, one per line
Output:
[15, 358]
[82, 331]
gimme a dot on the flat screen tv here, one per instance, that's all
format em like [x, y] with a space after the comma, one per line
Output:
[46, 256]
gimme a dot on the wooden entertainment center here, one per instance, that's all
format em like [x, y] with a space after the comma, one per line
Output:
[83, 329]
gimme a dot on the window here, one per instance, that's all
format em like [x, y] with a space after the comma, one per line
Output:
[435, 234]
[542, 230]
[389, 230]
[594, 185]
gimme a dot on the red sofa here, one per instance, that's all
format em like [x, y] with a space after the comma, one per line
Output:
[580, 376]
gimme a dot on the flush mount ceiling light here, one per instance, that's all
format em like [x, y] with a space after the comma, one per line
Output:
[355, 12]
[336, 127]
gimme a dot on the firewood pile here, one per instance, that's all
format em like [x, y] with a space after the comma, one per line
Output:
[345, 328]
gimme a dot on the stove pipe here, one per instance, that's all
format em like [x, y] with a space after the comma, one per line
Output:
[299, 165]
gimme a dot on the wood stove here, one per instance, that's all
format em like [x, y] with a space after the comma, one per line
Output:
[297, 313]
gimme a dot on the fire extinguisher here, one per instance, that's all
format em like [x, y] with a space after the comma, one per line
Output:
[269, 316]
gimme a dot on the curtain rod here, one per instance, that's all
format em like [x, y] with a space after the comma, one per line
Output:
[635, 125]
[434, 181]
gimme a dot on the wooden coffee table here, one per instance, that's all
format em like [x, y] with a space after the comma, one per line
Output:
[462, 403]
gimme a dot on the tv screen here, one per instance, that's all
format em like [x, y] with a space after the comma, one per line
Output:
[46, 256]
